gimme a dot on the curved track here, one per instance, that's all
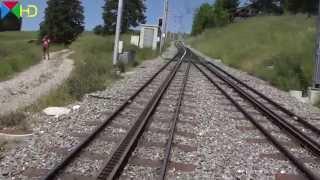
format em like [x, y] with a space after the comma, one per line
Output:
[243, 97]
[165, 92]
[118, 159]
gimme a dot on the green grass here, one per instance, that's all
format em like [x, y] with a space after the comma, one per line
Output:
[279, 49]
[18, 53]
[93, 69]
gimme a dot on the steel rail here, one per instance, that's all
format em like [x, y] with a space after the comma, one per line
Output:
[279, 121]
[71, 156]
[283, 109]
[298, 163]
[173, 126]
[118, 159]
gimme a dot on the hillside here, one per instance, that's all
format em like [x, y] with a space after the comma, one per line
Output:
[279, 49]
[93, 69]
[16, 53]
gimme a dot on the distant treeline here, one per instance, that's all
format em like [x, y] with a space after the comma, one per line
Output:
[10, 23]
[223, 12]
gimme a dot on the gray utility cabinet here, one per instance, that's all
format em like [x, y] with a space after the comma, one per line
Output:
[149, 36]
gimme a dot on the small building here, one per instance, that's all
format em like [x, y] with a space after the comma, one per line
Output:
[149, 36]
[135, 40]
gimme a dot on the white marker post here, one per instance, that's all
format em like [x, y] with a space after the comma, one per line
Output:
[118, 30]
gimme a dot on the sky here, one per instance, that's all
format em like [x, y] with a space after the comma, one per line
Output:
[180, 13]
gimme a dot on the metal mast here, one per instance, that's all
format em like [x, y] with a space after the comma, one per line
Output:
[316, 78]
[164, 25]
[118, 30]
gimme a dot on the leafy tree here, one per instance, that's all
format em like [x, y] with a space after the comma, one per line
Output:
[203, 18]
[64, 21]
[294, 6]
[133, 14]
[99, 30]
[208, 16]
[227, 4]
[268, 6]
[221, 17]
[302, 6]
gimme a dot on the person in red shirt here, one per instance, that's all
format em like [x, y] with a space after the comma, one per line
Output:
[45, 46]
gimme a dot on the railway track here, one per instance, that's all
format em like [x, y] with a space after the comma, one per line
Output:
[269, 117]
[148, 121]
[136, 115]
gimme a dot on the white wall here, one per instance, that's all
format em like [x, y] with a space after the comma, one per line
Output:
[135, 40]
[155, 37]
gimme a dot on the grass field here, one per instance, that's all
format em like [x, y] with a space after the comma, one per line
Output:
[93, 69]
[18, 53]
[279, 49]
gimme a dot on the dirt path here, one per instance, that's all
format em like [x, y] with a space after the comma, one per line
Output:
[28, 86]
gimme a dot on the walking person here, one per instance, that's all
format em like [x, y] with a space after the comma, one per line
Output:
[45, 46]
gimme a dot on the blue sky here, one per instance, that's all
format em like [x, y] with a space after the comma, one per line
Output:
[180, 13]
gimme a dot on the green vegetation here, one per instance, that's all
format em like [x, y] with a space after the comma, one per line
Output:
[19, 50]
[17, 53]
[222, 12]
[93, 69]
[279, 49]
[133, 16]
[63, 21]
[216, 15]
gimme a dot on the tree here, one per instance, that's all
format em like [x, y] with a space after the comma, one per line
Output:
[208, 16]
[133, 14]
[64, 21]
[99, 30]
[202, 19]
[302, 6]
[222, 17]
[227, 4]
[268, 6]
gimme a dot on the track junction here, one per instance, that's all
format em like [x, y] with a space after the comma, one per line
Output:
[164, 104]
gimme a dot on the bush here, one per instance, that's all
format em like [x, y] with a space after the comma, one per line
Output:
[98, 30]
[209, 16]
[63, 21]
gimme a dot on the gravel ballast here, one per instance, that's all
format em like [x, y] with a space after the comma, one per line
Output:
[221, 136]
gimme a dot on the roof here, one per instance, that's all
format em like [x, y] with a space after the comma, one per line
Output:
[149, 25]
